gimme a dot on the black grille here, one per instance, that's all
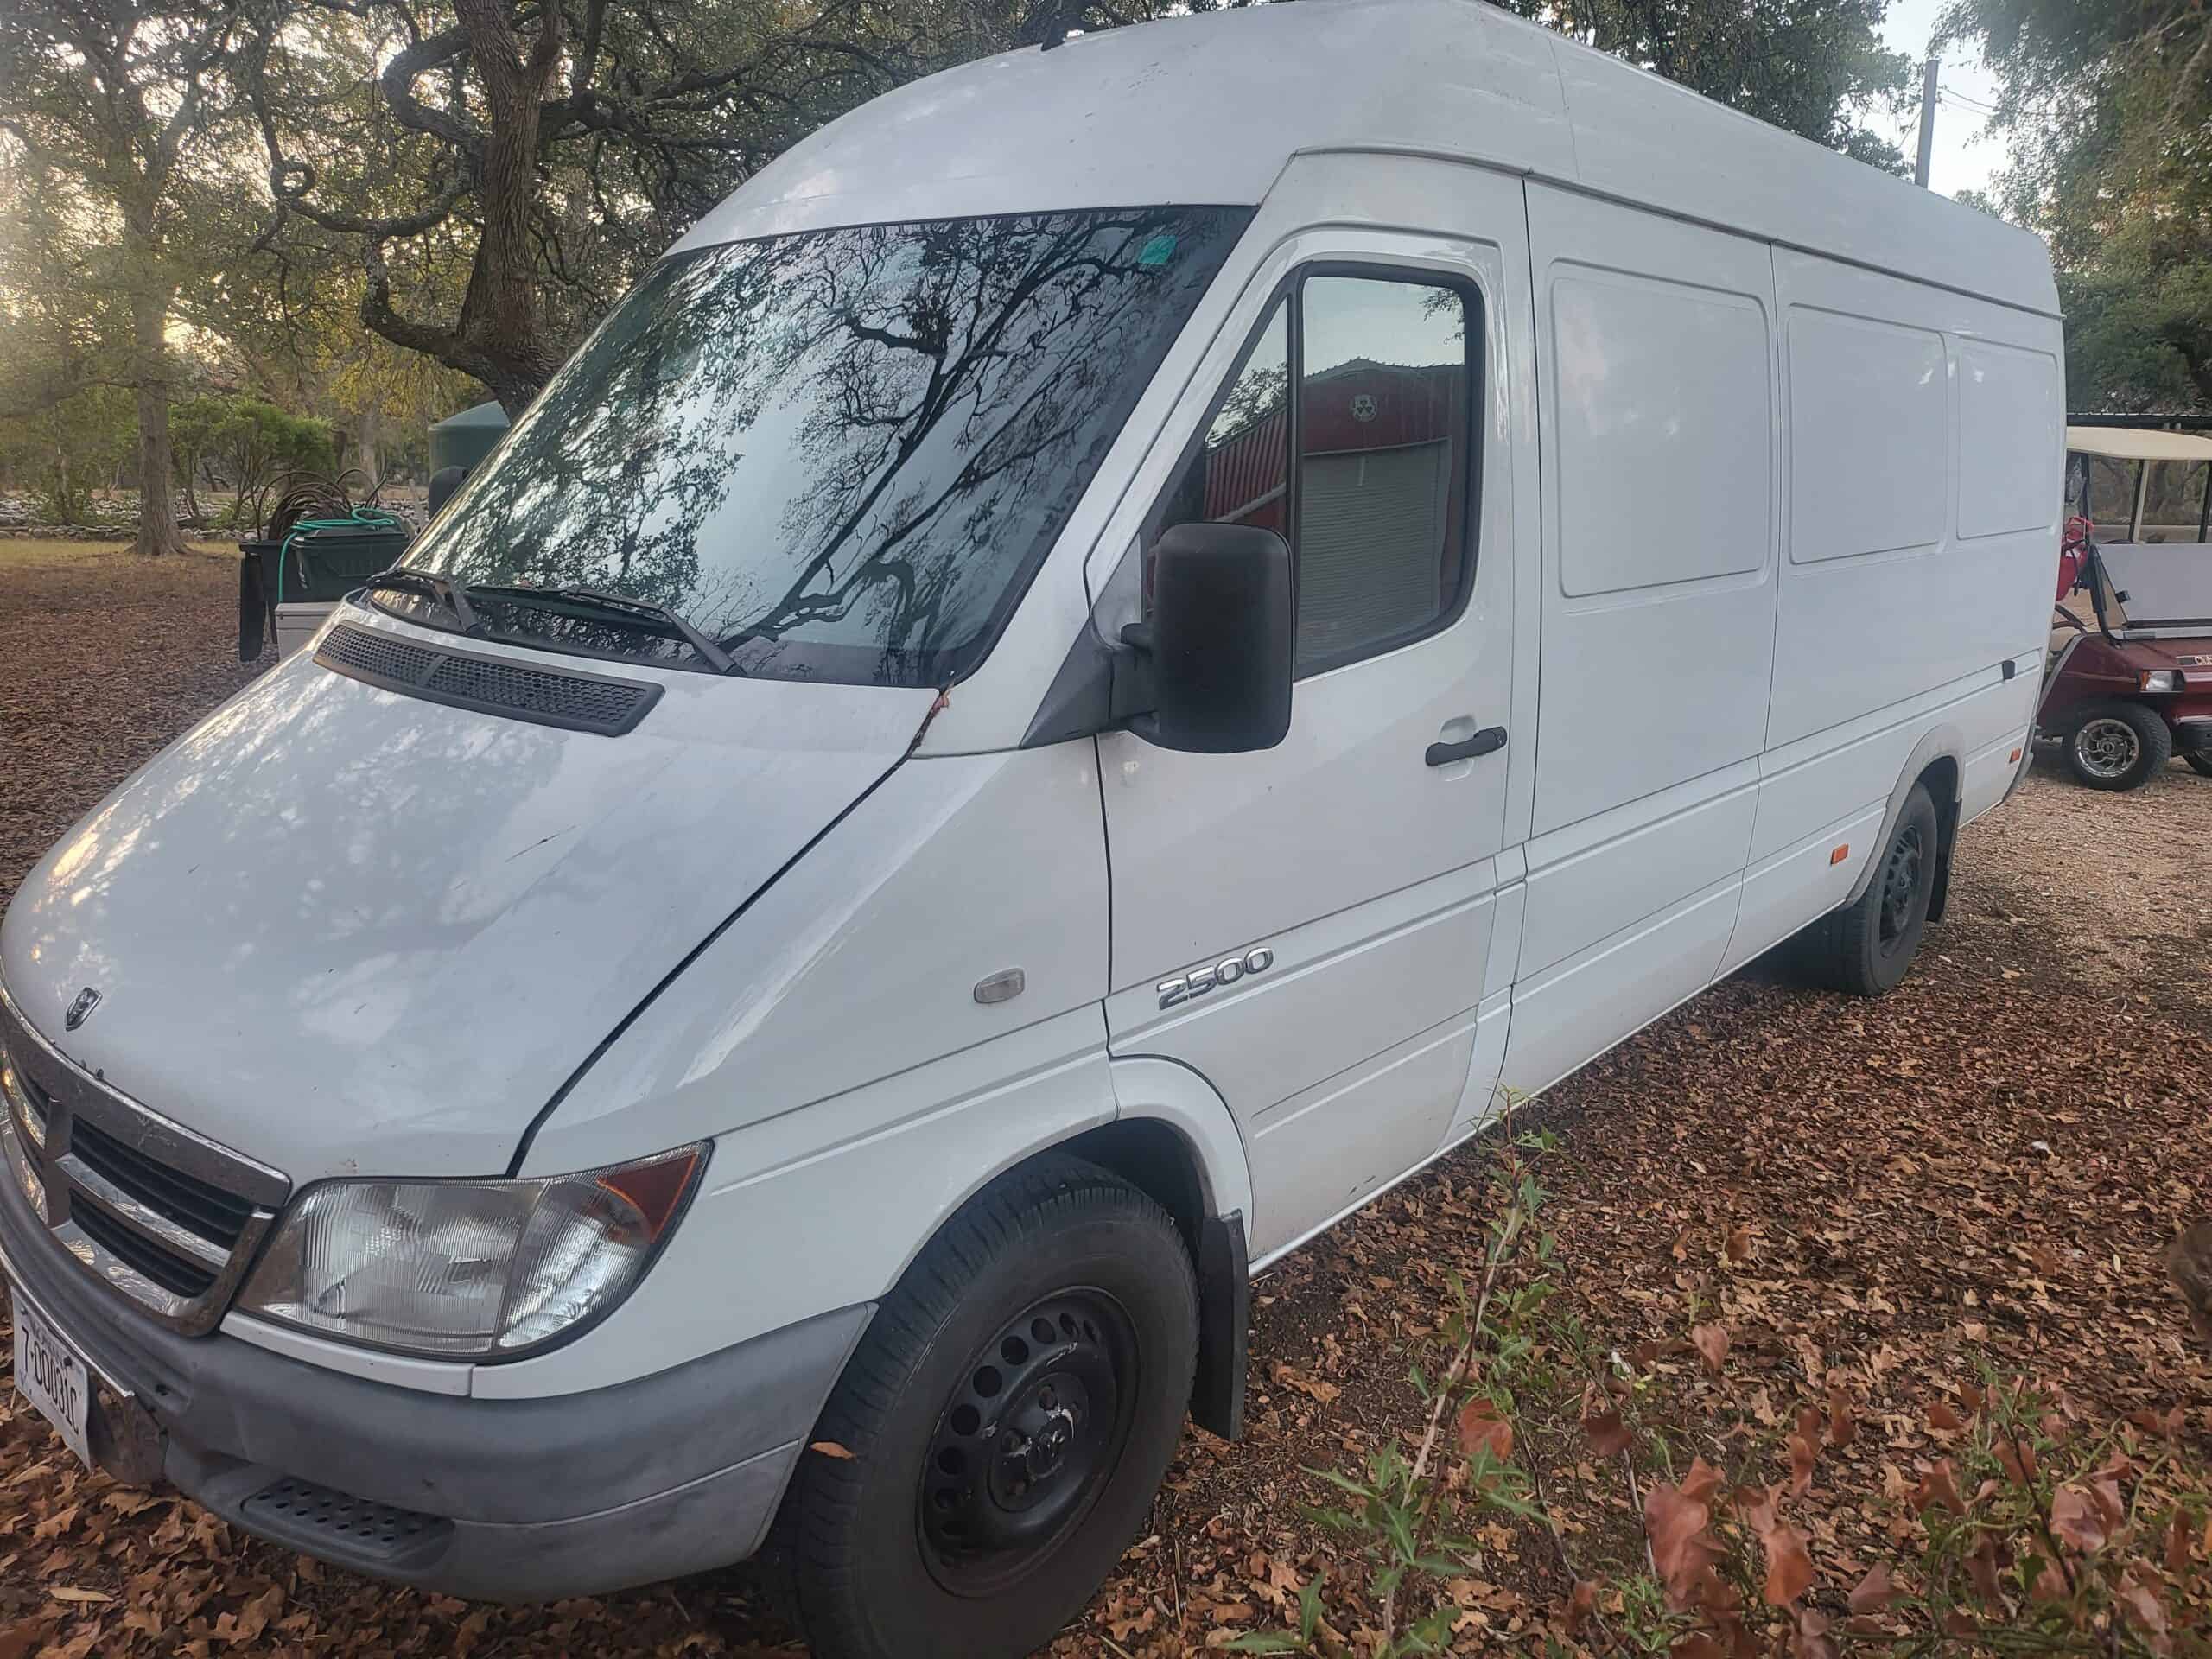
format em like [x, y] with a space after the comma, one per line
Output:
[377, 655]
[216, 1215]
[333, 1522]
[577, 702]
[173, 1273]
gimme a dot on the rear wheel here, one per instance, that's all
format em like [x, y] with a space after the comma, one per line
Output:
[1866, 948]
[1010, 1413]
[2200, 762]
[2117, 745]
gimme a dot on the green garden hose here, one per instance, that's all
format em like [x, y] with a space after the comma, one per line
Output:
[359, 519]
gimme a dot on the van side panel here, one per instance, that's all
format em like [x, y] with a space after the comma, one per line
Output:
[1923, 433]
[1657, 389]
[1924, 444]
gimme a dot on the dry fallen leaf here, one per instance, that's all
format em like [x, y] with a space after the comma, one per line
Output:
[1939, 1485]
[1601, 1421]
[1789, 1562]
[1312, 1387]
[1480, 1425]
[1711, 1342]
[1675, 1518]
[2139, 1601]
[1874, 1593]
[2077, 1519]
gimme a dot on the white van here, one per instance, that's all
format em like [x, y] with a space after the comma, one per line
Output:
[1059, 697]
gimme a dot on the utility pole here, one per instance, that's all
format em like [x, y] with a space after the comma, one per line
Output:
[1927, 121]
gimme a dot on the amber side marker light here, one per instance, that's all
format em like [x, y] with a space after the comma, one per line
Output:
[2015, 755]
[1840, 853]
[656, 1190]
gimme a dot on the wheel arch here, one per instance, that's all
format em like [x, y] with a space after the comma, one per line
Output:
[1174, 1139]
[1938, 761]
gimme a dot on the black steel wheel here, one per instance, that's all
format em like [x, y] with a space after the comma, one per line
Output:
[1023, 1447]
[1010, 1411]
[1866, 948]
[2117, 745]
[1906, 864]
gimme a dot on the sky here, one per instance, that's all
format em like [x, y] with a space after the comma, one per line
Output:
[1963, 158]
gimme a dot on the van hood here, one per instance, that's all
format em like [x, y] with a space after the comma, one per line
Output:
[346, 931]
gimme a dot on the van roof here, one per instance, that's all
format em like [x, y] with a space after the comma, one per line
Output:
[1210, 108]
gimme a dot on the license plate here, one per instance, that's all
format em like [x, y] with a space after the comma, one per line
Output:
[51, 1376]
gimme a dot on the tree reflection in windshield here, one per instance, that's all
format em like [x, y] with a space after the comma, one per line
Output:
[841, 453]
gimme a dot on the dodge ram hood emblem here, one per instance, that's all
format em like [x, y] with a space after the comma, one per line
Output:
[81, 1009]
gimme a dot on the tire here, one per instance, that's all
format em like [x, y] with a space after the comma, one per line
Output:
[2200, 762]
[982, 1504]
[2117, 745]
[1865, 949]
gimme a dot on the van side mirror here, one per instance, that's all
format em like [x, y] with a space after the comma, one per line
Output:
[1219, 641]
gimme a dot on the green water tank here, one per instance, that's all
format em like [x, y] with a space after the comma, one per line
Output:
[463, 440]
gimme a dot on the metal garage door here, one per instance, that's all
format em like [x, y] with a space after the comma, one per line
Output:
[1369, 537]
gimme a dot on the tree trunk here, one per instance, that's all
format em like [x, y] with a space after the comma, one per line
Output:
[366, 441]
[498, 312]
[150, 310]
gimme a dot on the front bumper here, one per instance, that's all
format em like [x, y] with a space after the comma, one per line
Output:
[509, 1500]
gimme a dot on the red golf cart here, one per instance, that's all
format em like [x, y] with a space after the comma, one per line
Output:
[2129, 681]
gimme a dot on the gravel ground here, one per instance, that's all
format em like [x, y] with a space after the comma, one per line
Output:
[1982, 1168]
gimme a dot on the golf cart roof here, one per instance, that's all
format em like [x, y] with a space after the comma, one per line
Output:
[2138, 443]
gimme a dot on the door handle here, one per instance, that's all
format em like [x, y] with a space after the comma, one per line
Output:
[1486, 741]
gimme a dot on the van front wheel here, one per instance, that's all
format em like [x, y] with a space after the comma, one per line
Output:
[1866, 948]
[1008, 1414]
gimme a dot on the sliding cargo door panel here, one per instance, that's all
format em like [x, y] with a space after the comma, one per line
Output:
[1657, 398]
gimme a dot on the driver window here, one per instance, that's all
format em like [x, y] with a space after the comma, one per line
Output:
[1375, 508]
[1238, 470]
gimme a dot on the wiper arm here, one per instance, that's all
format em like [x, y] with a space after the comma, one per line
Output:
[451, 593]
[622, 605]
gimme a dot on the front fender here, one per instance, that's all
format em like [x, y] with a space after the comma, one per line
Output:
[1172, 1093]
[824, 1208]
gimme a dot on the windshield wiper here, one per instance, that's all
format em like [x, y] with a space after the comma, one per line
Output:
[454, 595]
[622, 607]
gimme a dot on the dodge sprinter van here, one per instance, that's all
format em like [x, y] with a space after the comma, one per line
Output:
[1066, 692]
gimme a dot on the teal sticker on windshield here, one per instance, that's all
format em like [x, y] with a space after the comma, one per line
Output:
[1157, 252]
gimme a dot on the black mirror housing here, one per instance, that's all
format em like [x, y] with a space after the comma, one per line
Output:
[1220, 639]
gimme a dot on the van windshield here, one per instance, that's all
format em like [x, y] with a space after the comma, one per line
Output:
[839, 454]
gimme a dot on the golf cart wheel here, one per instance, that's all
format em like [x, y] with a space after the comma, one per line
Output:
[1865, 949]
[2117, 745]
[1010, 1412]
[2200, 762]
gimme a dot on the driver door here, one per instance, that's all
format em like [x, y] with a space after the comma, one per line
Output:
[1308, 927]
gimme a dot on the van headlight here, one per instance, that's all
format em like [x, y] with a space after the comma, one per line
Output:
[468, 1269]
[2161, 679]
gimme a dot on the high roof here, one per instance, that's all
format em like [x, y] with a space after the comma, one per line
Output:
[1210, 108]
